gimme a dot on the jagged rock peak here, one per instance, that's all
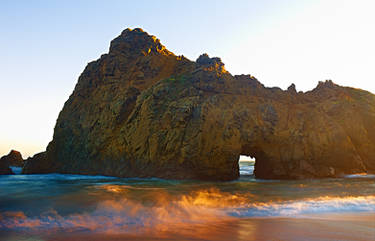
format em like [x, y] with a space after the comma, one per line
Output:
[205, 61]
[136, 40]
[326, 84]
[15, 153]
[292, 88]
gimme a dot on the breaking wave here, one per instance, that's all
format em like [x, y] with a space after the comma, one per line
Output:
[167, 211]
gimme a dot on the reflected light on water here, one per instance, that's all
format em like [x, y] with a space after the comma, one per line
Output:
[129, 209]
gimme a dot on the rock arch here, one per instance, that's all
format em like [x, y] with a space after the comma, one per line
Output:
[141, 111]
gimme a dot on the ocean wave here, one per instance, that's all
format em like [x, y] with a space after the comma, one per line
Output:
[57, 176]
[247, 170]
[308, 206]
[360, 175]
[166, 211]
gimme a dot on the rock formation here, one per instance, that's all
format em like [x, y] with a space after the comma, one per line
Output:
[141, 111]
[14, 158]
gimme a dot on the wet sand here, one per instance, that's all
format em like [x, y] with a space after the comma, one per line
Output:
[314, 227]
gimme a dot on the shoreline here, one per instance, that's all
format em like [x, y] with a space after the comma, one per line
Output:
[335, 226]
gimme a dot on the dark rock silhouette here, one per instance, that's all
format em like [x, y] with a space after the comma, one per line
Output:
[14, 158]
[4, 169]
[141, 111]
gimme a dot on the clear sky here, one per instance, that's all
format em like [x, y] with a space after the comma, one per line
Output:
[45, 45]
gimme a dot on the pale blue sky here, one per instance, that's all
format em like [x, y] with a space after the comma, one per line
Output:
[45, 45]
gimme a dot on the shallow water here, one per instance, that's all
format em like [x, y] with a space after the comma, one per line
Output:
[45, 207]
[246, 167]
[16, 170]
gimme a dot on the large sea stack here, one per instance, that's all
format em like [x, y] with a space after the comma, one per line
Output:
[141, 111]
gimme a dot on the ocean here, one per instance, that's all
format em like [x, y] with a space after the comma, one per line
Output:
[77, 207]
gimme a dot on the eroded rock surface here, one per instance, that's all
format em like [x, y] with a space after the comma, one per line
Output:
[141, 111]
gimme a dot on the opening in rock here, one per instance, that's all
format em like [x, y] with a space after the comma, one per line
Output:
[16, 170]
[246, 164]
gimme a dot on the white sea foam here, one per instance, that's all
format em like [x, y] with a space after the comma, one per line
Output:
[360, 175]
[308, 206]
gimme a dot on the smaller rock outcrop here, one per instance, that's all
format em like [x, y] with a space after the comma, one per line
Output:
[14, 158]
[210, 63]
[292, 89]
[37, 162]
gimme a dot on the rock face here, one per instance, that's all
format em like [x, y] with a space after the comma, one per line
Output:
[4, 169]
[141, 111]
[14, 158]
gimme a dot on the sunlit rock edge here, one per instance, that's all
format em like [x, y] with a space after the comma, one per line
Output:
[141, 111]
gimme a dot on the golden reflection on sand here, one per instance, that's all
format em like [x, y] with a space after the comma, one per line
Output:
[323, 227]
